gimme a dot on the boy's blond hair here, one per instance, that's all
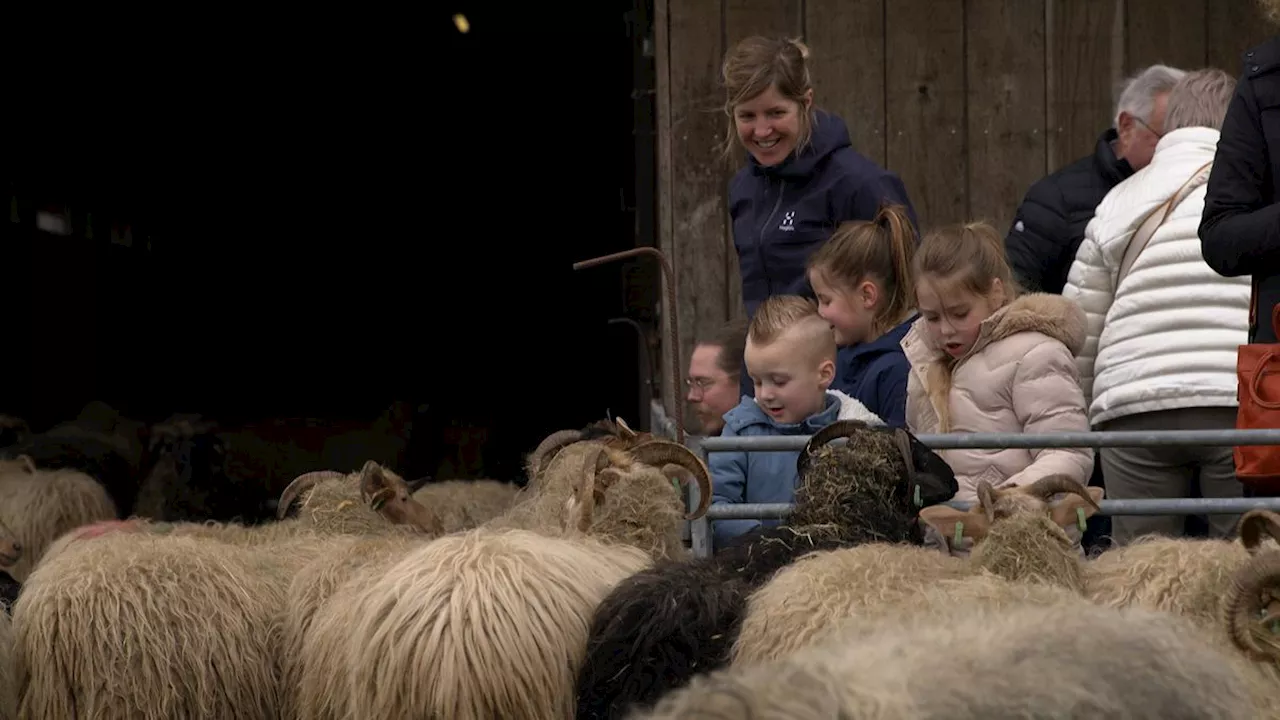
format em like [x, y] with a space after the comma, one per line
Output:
[797, 317]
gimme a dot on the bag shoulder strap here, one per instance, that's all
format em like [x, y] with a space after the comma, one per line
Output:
[1155, 218]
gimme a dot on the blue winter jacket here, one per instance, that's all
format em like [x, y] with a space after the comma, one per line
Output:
[781, 214]
[765, 477]
[875, 374]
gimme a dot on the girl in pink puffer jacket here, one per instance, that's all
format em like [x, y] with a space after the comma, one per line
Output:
[984, 359]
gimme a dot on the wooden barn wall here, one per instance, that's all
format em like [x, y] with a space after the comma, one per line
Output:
[969, 101]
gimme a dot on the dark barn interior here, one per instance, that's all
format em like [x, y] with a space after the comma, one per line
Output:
[322, 223]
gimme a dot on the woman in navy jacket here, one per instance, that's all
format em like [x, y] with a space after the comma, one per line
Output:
[802, 178]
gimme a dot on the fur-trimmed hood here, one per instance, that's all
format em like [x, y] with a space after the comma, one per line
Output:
[1052, 315]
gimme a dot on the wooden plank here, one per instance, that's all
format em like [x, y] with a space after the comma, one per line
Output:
[771, 18]
[847, 40]
[1006, 99]
[691, 180]
[1233, 28]
[925, 106]
[1084, 63]
[1171, 32]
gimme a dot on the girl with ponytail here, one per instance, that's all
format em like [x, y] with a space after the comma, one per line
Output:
[862, 279]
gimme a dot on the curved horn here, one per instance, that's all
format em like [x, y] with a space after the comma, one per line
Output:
[664, 452]
[1244, 603]
[902, 439]
[1254, 523]
[300, 483]
[549, 446]
[1048, 486]
[416, 485]
[624, 431]
[987, 499]
[595, 461]
[837, 429]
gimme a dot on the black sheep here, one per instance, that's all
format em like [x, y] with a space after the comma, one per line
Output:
[662, 626]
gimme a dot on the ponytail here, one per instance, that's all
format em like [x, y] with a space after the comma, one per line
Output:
[881, 250]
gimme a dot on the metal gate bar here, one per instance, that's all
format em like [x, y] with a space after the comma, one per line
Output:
[1001, 441]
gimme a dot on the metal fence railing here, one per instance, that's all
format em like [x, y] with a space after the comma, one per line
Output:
[700, 529]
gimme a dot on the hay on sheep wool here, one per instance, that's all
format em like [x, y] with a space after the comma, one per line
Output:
[474, 625]
[1030, 547]
[858, 488]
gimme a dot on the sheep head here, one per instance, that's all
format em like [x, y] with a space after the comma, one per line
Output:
[606, 464]
[613, 433]
[1253, 606]
[996, 504]
[391, 497]
[871, 488]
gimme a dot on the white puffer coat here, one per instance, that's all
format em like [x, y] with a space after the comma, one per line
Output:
[1167, 337]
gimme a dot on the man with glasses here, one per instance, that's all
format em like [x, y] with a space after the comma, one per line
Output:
[1050, 222]
[715, 369]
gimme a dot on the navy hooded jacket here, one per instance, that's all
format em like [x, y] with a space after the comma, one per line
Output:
[783, 213]
[875, 374]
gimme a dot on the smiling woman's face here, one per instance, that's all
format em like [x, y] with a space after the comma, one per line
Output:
[768, 126]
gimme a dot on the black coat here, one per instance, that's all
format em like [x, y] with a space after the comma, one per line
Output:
[1240, 228]
[1049, 225]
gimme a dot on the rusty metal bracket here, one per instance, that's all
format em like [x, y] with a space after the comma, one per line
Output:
[672, 315]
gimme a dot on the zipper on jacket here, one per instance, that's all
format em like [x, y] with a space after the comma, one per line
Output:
[782, 188]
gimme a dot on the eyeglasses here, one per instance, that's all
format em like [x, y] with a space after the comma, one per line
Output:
[702, 383]
[1144, 124]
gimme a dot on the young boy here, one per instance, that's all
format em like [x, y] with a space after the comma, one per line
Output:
[790, 357]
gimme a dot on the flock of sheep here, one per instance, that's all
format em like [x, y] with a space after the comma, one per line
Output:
[575, 596]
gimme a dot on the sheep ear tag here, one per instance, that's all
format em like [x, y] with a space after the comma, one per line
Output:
[1073, 510]
[955, 524]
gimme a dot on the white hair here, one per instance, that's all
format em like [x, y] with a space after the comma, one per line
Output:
[1138, 97]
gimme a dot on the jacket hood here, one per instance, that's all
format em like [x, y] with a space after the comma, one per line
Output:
[829, 135]
[839, 406]
[1052, 315]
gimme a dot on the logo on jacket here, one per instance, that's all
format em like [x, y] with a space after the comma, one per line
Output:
[787, 221]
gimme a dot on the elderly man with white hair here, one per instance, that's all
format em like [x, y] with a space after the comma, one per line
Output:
[1163, 327]
[1050, 222]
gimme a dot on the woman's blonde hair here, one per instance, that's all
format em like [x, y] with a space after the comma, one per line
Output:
[758, 63]
[881, 250]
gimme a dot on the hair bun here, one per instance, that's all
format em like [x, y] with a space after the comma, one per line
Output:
[800, 47]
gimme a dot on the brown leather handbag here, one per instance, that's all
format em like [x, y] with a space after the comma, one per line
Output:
[1258, 369]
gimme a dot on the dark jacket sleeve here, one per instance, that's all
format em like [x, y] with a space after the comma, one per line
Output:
[891, 391]
[1240, 228]
[1039, 233]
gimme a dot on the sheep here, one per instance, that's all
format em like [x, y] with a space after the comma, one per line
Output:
[355, 559]
[188, 481]
[619, 508]
[1018, 533]
[1185, 576]
[145, 626]
[436, 636]
[661, 626]
[462, 504]
[1018, 541]
[959, 659]
[8, 694]
[614, 432]
[37, 506]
